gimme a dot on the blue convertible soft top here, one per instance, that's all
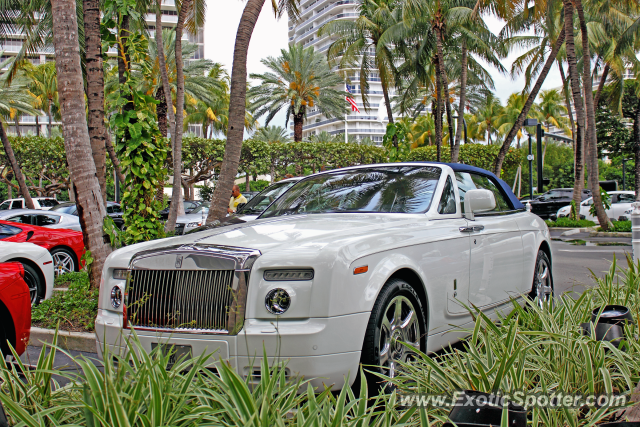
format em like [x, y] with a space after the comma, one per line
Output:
[506, 190]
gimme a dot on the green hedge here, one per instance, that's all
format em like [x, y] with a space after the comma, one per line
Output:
[570, 223]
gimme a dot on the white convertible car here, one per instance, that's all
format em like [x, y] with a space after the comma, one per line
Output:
[340, 270]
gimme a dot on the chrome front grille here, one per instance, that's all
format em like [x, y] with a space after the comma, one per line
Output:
[182, 300]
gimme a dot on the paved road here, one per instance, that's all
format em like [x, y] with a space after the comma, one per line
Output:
[571, 264]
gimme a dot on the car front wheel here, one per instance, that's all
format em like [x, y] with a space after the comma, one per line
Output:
[34, 283]
[397, 319]
[542, 288]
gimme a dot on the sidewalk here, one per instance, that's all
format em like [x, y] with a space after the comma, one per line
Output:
[562, 235]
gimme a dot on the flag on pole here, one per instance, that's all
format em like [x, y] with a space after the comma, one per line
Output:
[350, 100]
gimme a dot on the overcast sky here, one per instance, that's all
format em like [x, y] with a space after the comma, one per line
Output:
[270, 35]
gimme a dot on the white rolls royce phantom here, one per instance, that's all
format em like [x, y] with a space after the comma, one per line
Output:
[339, 271]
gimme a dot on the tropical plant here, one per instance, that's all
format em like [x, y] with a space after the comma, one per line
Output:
[551, 110]
[299, 80]
[89, 199]
[43, 87]
[511, 112]
[488, 117]
[271, 134]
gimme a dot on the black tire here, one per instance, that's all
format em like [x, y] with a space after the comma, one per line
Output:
[377, 337]
[35, 283]
[64, 261]
[542, 286]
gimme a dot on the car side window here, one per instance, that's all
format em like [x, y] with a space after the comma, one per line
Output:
[23, 219]
[8, 231]
[16, 204]
[109, 209]
[625, 198]
[5, 206]
[44, 220]
[447, 203]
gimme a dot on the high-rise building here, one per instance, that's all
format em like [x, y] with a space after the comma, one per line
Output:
[12, 44]
[313, 15]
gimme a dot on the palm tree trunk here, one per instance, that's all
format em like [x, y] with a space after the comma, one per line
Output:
[445, 84]
[37, 126]
[91, 209]
[50, 119]
[177, 207]
[567, 100]
[592, 141]
[163, 71]
[298, 121]
[237, 108]
[247, 182]
[636, 145]
[578, 105]
[527, 105]
[16, 169]
[161, 111]
[387, 104]
[603, 79]
[438, 114]
[16, 120]
[114, 158]
[463, 100]
[95, 90]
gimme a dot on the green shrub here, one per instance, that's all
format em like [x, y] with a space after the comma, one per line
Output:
[570, 223]
[258, 185]
[73, 310]
[620, 226]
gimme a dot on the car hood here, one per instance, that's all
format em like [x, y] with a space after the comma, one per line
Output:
[354, 234]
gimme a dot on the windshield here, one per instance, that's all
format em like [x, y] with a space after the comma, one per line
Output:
[46, 203]
[554, 194]
[397, 189]
[64, 208]
[200, 209]
[259, 203]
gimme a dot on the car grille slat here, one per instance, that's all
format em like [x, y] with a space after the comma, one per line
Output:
[180, 299]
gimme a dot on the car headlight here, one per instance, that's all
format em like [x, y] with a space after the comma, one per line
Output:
[277, 301]
[287, 275]
[194, 224]
[116, 297]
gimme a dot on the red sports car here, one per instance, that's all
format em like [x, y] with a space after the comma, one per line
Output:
[66, 246]
[15, 308]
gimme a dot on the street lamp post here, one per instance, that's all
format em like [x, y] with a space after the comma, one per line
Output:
[530, 122]
[539, 133]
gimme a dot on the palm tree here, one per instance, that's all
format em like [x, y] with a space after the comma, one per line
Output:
[15, 98]
[488, 116]
[76, 134]
[551, 110]
[510, 113]
[237, 104]
[272, 134]
[43, 86]
[359, 46]
[420, 131]
[298, 79]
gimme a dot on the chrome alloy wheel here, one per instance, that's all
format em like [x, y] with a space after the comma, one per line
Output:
[543, 285]
[63, 263]
[399, 325]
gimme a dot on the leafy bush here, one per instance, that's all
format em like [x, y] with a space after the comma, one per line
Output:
[620, 227]
[73, 310]
[570, 223]
[258, 185]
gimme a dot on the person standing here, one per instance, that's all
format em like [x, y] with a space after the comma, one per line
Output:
[236, 199]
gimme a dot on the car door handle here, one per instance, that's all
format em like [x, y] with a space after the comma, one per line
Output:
[471, 229]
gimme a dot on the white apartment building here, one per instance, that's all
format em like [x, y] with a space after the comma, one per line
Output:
[12, 44]
[372, 124]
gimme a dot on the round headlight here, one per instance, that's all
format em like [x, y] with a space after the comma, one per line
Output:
[277, 301]
[116, 297]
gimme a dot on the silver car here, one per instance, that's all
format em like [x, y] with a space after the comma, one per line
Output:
[42, 218]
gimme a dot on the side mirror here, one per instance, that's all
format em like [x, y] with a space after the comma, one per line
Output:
[478, 200]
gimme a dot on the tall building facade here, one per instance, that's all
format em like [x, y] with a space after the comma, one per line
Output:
[11, 45]
[313, 15]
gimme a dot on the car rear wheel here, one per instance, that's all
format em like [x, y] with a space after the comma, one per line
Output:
[542, 288]
[397, 319]
[63, 261]
[34, 283]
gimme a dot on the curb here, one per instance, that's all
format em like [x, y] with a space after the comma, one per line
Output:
[78, 341]
[571, 231]
[609, 234]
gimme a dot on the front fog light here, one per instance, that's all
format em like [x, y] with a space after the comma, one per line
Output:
[120, 274]
[286, 275]
[277, 301]
[116, 297]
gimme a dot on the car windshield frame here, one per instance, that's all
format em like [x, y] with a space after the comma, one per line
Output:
[249, 208]
[382, 193]
[63, 208]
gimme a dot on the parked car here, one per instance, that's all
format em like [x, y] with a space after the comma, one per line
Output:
[42, 219]
[188, 222]
[620, 203]
[189, 205]
[66, 246]
[342, 269]
[15, 308]
[114, 210]
[44, 203]
[36, 260]
[546, 205]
